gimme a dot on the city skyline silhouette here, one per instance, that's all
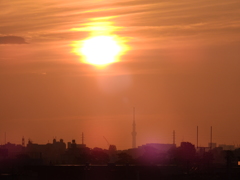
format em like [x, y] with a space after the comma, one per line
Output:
[153, 160]
[211, 144]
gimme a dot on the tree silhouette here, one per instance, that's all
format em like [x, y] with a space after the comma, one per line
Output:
[124, 158]
[186, 155]
[98, 156]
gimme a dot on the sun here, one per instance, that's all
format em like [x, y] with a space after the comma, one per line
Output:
[100, 50]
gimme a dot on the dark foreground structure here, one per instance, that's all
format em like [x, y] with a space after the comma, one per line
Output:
[147, 162]
[123, 172]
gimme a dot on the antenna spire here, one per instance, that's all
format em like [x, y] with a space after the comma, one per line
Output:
[134, 133]
[23, 141]
[82, 138]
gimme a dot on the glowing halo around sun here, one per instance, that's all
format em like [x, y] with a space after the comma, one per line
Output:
[100, 50]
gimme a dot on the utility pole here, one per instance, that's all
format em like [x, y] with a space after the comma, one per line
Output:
[174, 137]
[197, 137]
[211, 137]
[82, 138]
[5, 138]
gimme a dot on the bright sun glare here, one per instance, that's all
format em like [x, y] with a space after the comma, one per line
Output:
[102, 47]
[100, 50]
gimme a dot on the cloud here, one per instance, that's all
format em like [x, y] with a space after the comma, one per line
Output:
[12, 40]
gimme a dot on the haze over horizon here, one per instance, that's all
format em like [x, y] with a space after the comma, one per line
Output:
[179, 68]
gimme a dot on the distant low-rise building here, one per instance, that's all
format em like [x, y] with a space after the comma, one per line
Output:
[159, 148]
[12, 150]
[162, 148]
[73, 144]
[212, 145]
[50, 153]
[3, 153]
[227, 147]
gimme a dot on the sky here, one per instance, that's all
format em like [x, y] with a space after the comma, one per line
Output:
[180, 70]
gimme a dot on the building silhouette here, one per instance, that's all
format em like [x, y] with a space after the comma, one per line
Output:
[50, 152]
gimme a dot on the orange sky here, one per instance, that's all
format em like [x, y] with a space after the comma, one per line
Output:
[182, 70]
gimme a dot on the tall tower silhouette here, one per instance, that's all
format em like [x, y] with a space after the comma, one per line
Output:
[134, 133]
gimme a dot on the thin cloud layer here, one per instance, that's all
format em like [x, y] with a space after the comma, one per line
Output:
[12, 40]
[201, 20]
